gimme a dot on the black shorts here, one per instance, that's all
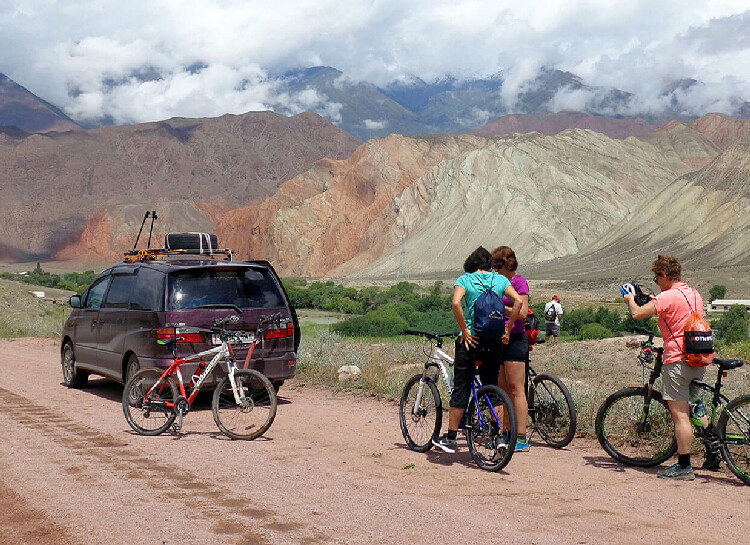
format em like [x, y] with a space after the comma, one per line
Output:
[464, 368]
[517, 349]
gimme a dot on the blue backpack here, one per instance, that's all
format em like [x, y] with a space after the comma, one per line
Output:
[489, 315]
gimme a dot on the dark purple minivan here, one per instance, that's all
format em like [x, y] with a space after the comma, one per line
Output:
[113, 328]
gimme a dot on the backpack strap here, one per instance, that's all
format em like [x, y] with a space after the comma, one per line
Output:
[492, 279]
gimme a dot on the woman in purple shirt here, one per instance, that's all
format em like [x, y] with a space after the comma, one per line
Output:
[513, 370]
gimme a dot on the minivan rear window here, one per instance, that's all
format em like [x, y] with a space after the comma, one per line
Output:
[243, 287]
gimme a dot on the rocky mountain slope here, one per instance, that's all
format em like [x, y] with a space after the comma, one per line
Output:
[403, 206]
[24, 110]
[546, 196]
[330, 213]
[702, 217]
[553, 123]
[53, 184]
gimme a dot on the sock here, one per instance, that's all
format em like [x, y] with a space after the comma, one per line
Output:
[451, 435]
[684, 460]
[521, 438]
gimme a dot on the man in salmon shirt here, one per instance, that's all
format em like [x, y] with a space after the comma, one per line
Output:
[673, 306]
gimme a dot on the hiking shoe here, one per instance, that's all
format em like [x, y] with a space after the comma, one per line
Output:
[522, 446]
[447, 445]
[712, 462]
[676, 473]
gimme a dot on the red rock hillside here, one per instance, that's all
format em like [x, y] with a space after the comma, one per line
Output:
[53, 183]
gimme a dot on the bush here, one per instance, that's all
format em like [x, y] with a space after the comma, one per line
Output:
[387, 321]
[733, 324]
[574, 320]
[77, 282]
[630, 325]
[594, 331]
[717, 292]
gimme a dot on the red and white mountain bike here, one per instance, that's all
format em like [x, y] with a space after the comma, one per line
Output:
[244, 402]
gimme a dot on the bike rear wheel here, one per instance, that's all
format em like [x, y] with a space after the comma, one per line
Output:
[630, 438]
[552, 410]
[734, 436]
[251, 415]
[490, 448]
[419, 424]
[149, 416]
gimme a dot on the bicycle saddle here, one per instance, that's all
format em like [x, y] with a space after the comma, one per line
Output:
[169, 343]
[726, 365]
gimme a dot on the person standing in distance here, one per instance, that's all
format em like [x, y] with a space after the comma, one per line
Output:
[553, 312]
[673, 307]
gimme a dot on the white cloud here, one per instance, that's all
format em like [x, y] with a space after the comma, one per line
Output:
[374, 125]
[130, 60]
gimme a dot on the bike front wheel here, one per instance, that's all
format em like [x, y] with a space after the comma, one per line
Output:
[148, 413]
[631, 437]
[491, 440]
[420, 422]
[734, 436]
[251, 413]
[552, 410]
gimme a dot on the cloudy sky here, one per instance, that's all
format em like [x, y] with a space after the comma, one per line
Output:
[145, 60]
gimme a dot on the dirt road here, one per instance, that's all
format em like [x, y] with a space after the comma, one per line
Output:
[332, 469]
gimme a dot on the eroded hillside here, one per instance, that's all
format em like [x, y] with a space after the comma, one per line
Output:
[53, 184]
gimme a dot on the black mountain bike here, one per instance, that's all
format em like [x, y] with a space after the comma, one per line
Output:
[551, 408]
[634, 425]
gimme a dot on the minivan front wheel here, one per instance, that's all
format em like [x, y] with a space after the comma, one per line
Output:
[72, 376]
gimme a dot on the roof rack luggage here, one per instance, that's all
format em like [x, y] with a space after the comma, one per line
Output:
[203, 244]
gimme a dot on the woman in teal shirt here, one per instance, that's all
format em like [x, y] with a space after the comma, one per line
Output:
[478, 277]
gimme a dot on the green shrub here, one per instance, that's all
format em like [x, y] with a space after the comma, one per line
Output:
[732, 325]
[630, 325]
[386, 321]
[574, 320]
[717, 292]
[77, 282]
[594, 331]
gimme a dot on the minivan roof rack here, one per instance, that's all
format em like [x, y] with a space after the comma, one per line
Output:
[160, 253]
[175, 244]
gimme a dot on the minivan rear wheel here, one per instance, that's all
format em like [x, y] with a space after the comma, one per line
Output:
[72, 376]
[132, 367]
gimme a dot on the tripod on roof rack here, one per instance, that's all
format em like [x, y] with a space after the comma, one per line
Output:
[189, 248]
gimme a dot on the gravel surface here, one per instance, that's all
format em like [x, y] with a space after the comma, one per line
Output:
[333, 468]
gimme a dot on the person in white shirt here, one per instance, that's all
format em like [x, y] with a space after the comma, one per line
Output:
[553, 312]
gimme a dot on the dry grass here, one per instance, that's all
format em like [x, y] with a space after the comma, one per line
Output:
[22, 314]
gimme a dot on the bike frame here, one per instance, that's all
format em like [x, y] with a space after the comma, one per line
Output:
[718, 400]
[439, 359]
[221, 352]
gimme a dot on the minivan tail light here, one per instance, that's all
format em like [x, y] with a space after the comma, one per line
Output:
[186, 335]
[288, 331]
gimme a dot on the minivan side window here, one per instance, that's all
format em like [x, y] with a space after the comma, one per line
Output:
[118, 295]
[149, 290]
[95, 294]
